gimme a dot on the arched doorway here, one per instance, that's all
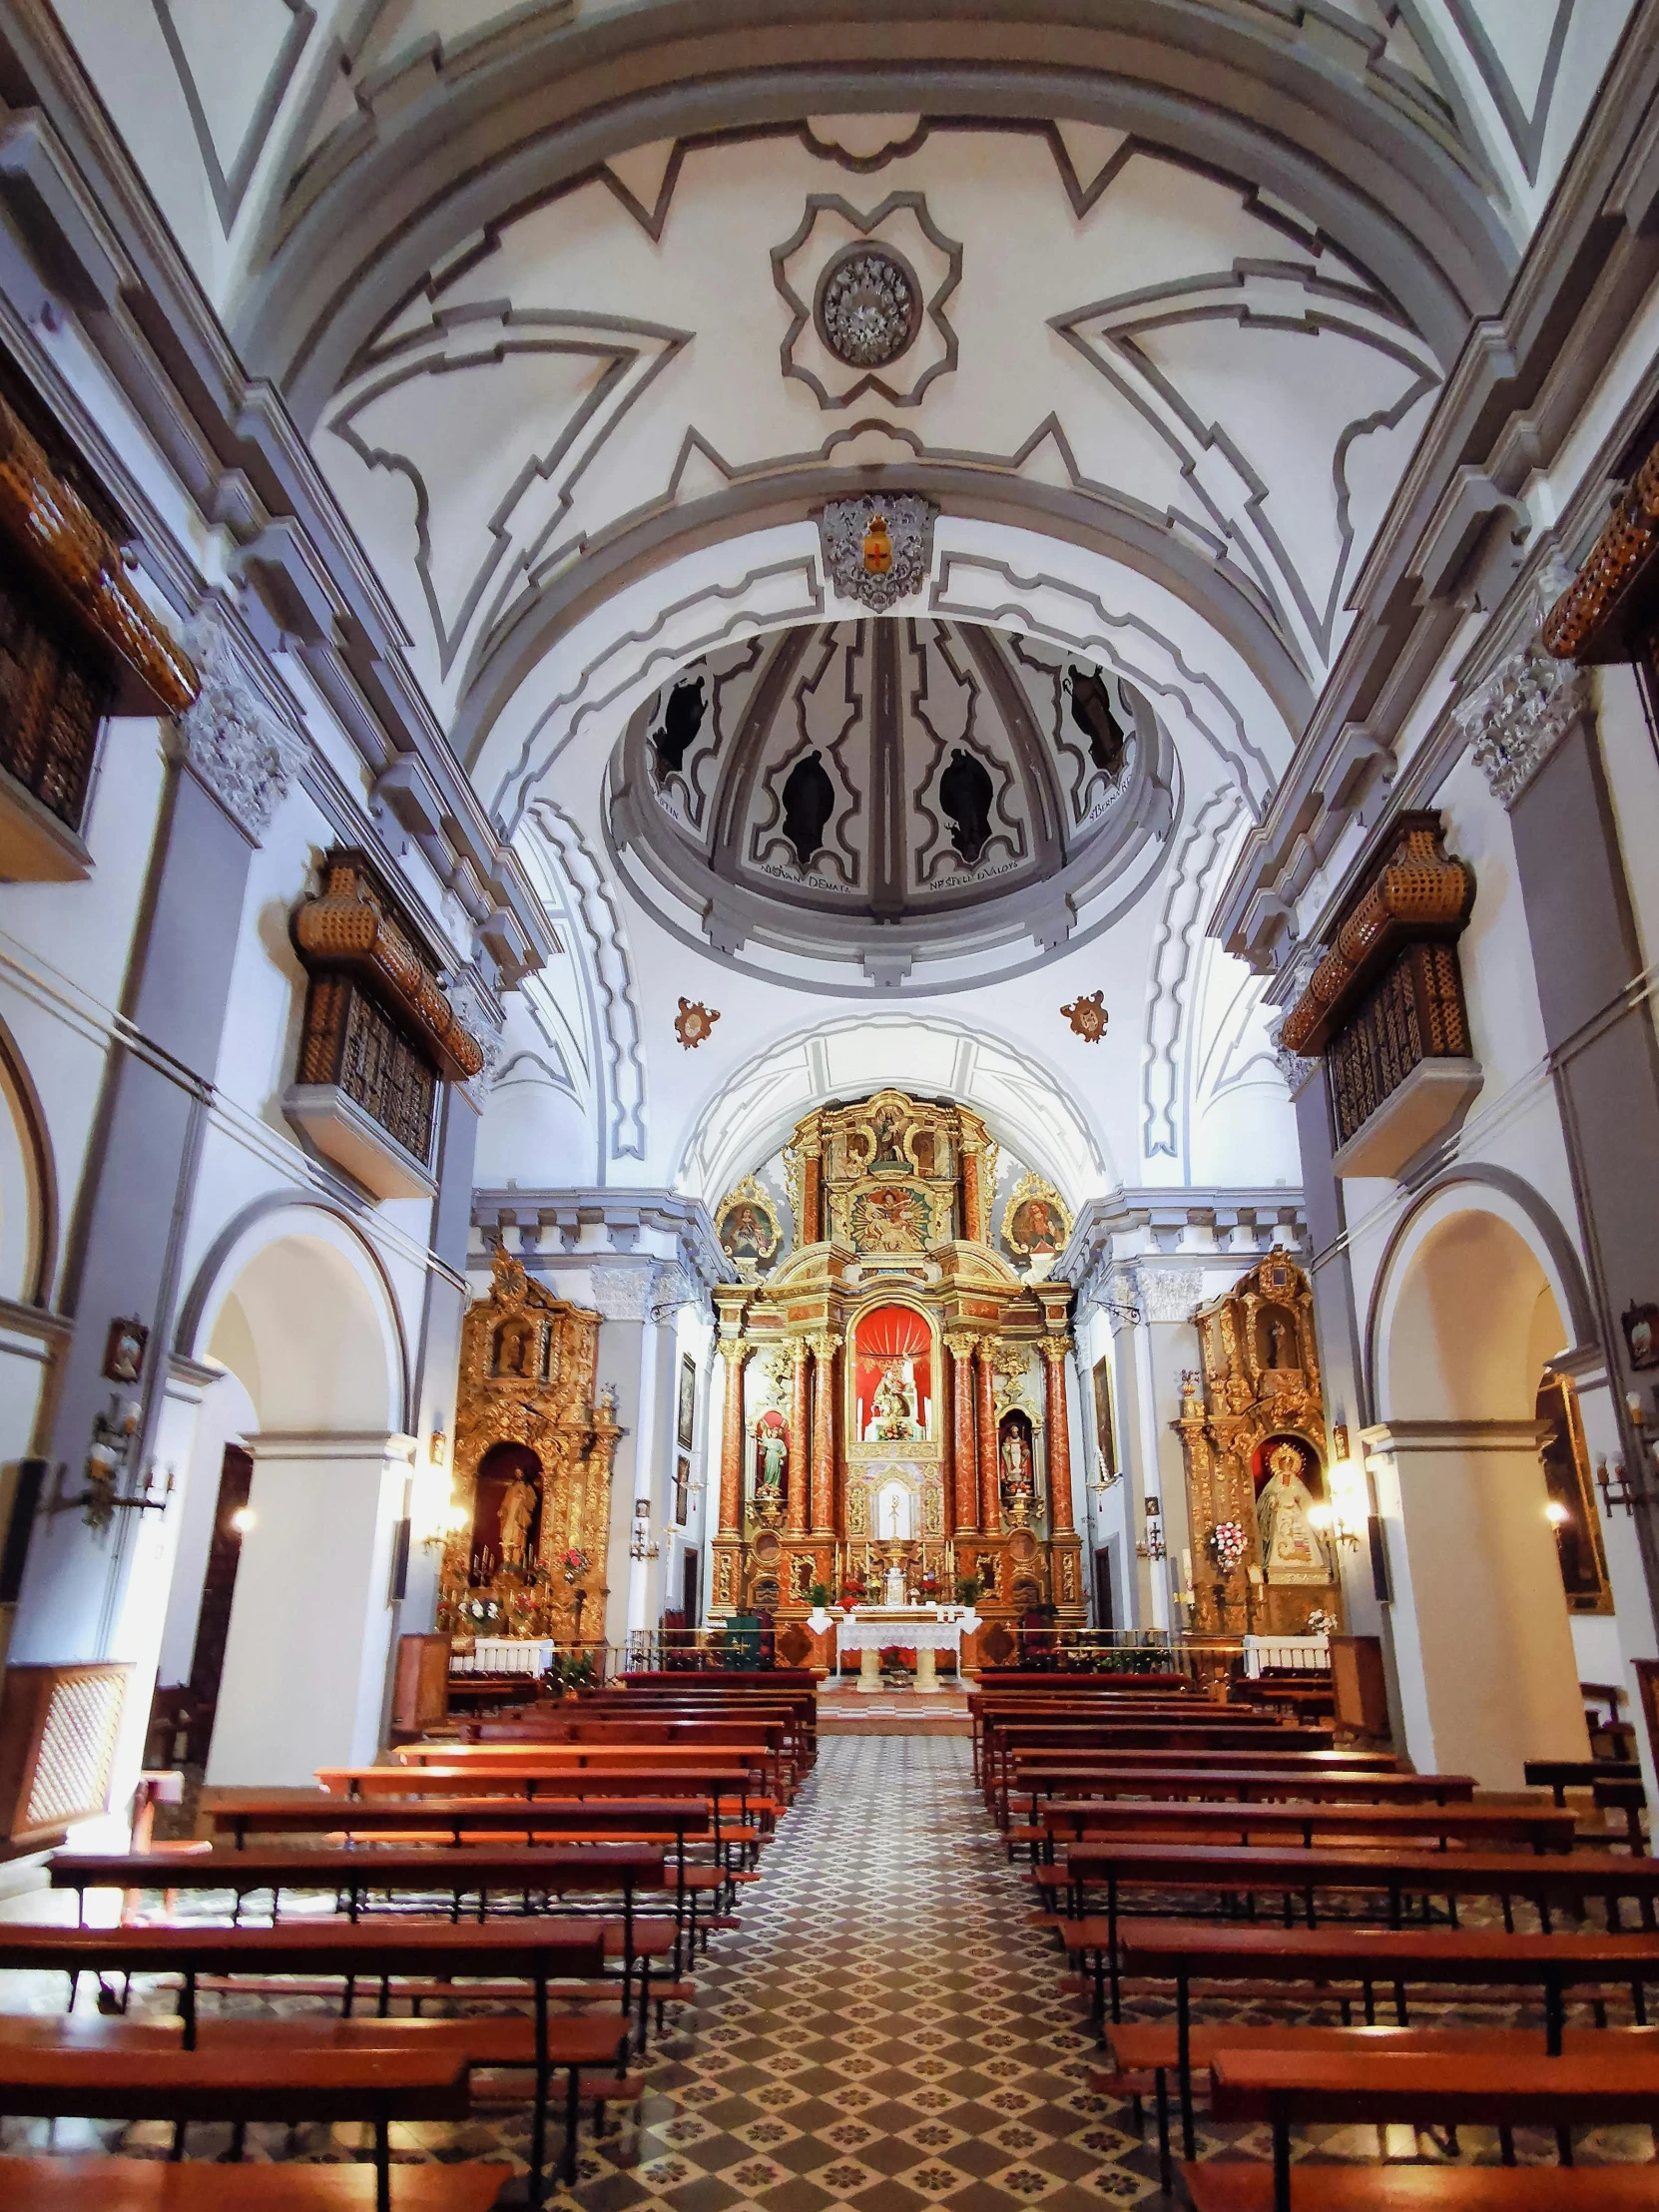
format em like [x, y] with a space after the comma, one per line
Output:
[297, 1310]
[1469, 1312]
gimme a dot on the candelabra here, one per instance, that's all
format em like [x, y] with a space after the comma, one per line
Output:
[107, 1457]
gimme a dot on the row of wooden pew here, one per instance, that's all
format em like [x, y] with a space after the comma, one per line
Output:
[1333, 1877]
[565, 1875]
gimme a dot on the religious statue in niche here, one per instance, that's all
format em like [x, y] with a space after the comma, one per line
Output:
[1036, 1225]
[749, 1229]
[515, 1350]
[1015, 1461]
[1293, 1549]
[893, 1376]
[808, 801]
[506, 1516]
[772, 1460]
[965, 794]
[1275, 1347]
[1091, 710]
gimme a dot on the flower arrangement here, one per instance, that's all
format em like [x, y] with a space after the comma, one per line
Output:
[1321, 1623]
[968, 1589]
[569, 1670]
[817, 1596]
[1228, 1544]
[481, 1614]
[575, 1564]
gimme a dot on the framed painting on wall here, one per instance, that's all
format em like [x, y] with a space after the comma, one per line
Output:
[682, 1485]
[687, 1411]
[1103, 1416]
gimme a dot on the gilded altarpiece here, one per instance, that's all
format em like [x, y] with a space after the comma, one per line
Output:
[1252, 1429]
[534, 1444]
[896, 1388]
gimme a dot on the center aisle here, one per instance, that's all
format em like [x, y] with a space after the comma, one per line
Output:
[885, 2031]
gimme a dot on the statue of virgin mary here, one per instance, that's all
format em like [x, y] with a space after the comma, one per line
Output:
[1292, 1548]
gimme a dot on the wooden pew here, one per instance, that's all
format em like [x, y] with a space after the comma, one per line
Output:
[1185, 1951]
[1142, 2047]
[1542, 1880]
[762, 1743]
[540, 1951]
[725, 1786]
[1004, 1738]
[148, 2185]
[1237, 1785]
[1540, 1830]
[239, 2085]
[1290, 2088]
[1075, 1774]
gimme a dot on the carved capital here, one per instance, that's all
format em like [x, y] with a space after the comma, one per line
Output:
[825, 1343]
[1297, 1071]
[1167, 1294]
[799, 1352]
[960, 1346]
[734, 1351]
[1519, 714]
[1054, 1349]
[231, 740]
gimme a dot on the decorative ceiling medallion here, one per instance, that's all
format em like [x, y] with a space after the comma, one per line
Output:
[868, 305]
[693, 1023]
[1087, 1016]
[878, 550]
[866, 295]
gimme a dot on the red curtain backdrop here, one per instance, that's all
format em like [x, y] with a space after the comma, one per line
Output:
[893, 1333]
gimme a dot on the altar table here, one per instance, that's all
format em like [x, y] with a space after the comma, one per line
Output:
[927, 1630]
[506, 1655]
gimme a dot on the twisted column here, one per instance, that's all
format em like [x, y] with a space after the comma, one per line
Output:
[1059, 1436]
[799, 1448]
[734, 1351]
[963, 1460]
[824, 1435]
[990, 1506]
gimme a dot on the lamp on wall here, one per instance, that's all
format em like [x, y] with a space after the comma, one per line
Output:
[640, 1545]
[1345, 1514]
[1154, 1546]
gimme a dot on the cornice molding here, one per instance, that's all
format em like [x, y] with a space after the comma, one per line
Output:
[622, 1216]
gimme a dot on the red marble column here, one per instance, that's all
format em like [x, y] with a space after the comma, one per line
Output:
[800, 1440]
[1059, 1436]
[963, 1456]
[812, 1197]
[824, 1435]
[734, 1351]
[973, 1203]
[990, 1504]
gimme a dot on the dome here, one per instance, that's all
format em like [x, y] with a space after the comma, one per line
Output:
[889, 795]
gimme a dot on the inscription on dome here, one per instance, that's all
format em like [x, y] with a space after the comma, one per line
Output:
[869, 307]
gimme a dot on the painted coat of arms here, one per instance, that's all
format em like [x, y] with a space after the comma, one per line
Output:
[878, 550]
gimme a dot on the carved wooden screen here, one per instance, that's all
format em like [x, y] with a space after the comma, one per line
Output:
[54, 693]
[1414, 1013]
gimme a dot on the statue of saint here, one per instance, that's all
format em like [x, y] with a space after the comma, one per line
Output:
[518, 1510]
[774, 1455]
[1017, 1465]
[892, 1408]
[1280, 1351]
[1292, 1548]
[1192, 1398]
[892, 1593]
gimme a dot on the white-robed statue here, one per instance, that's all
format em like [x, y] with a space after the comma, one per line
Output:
[1292, 1548]
[893, 1406]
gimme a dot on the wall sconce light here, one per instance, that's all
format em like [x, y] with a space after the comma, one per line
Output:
[437, 1449]
[1557, 1515]
[243, 1519]
[109, 1454]
[1345, 1517]
[449, 1522]
[640, 1545]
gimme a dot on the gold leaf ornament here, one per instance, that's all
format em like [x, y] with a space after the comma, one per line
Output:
[694, 1023]
[1087, 1016]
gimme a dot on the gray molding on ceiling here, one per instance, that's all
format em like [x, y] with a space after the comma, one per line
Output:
[991, 489]
[543, 331]
[229, 188]
[868, 226]
[1175, 947]
[1390, 183]
[79, 234]
[1448, 546]
[1525, 127]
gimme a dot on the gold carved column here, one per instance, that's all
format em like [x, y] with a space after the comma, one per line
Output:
[990, 1506]
[824, 1435]
[734, 1351]
[1059, 1436]
[810, 1229]
[799, 1429]
[963, 1456]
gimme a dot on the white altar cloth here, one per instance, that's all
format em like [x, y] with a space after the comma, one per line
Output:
[1309, 1654]
[506, 1655]
[875, 1628]
[925, 1630]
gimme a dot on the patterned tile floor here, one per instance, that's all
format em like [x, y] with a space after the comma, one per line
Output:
[885, 2031]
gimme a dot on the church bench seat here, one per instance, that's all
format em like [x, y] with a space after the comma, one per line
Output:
[1241, 2187]
[1615, 2085]
[149, 2185]
[1146, 2052]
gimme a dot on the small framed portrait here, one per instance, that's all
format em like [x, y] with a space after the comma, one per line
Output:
[1641, 1334]
[682, 1489]
[1104, 1443]
[123, 1350]
[685, 1411]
